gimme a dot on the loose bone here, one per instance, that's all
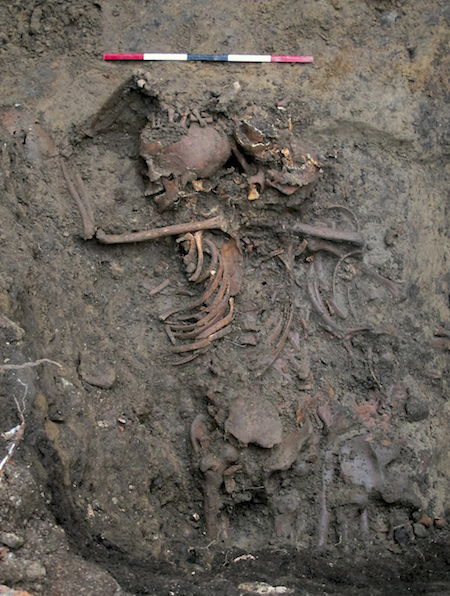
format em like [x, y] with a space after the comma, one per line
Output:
[155, 233]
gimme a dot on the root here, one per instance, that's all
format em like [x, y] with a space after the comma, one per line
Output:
[28, 364]
[14, 435]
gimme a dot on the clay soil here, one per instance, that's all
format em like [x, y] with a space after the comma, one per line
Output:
[305, 452]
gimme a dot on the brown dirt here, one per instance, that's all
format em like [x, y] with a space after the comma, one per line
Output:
[321, 454]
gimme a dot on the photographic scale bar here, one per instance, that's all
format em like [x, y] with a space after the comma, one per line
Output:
[210, 57]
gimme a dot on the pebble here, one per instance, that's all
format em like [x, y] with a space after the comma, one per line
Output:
[35, 21]
[248, 339]
[304, 363]
[55, 414]
[7, 591]
[247, 557]
[15, 569]
[263, 588]
[402, 536]
[11, 540]
[10, 331]
[440, 523]
[419, 530]
[416, 410]
[391, 236]
[387, 357]
[249, 321]
[35, 571]
[389, 17]
[99, 374]
[425, 520]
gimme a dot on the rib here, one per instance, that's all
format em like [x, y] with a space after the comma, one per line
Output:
[280, 343]
[190, 357]
[214, 260]
[220, 324]
[207, 321]
[335, 272]
[319, 306]
[203, 298]
[196, 345]
[316, 245]
[318, 231]
[159, 288]
[199, 246]
[170, 335]
[394, 287]
[347, 210]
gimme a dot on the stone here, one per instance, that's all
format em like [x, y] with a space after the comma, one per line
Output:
[419, 530]
[263, 588]
[248, 339]
[389, 17]
[11, 540]
[359, 464]
[425, 520]
[7, 591]
[35, 21]
[10, 331]
[55, 414]
[254, 419]
[399, 489]
[402, 536]
[15, 569]
[304, 363]
[285, 454]
[34, 570]
[416, 410]
[96, 372]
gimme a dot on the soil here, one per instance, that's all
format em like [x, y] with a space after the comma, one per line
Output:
[305, 449]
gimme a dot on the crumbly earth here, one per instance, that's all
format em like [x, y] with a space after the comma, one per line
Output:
[319, 468]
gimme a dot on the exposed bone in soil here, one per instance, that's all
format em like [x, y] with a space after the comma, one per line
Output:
[327, 473]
